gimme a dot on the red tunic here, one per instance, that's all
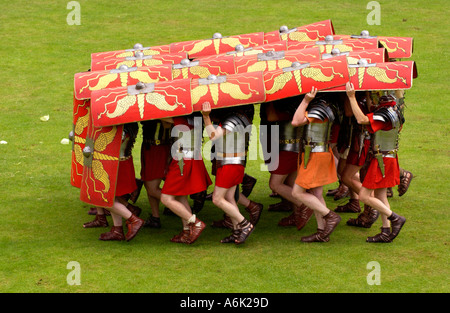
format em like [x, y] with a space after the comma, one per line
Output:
[229, 175]
[195, 178]
[287, 163]
[374, 178]
[126, 179]
[154, 162]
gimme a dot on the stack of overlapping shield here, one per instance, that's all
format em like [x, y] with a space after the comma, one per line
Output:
[145, 83]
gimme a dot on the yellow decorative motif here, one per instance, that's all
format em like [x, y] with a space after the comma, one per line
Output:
[200, 71]
[142, 77]
[199, 46]
[121, 108]
[103, 82]
[381, 75]
[160, 102]
[279, 82]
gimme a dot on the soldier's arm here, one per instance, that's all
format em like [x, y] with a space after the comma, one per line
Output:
[213, 133]
[361, 118]
[299, 118]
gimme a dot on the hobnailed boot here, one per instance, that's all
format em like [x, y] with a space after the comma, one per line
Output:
[248, 182]
[134, 209]
[135, 194]
[397, 223]
[283, 206]
[316, 237]
[182, 237]
[134, 224]
[254, 210]
[232, 238]
[365, 219]
[153, 222]
[405, 180]
[195, 229]
[99, 221]
[116, 233]
[244, 228]
[331, 221]
[225, 223]
[352, 206]
[291, 219]
[383, 237]
[342, 192]
[332, 192]
[299, 217]
[303, 217]
[199, 201]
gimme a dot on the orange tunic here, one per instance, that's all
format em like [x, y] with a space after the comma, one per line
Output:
[320, 170]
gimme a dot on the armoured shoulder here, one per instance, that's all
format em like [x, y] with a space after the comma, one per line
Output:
[321, 110]
[392, 115]
[233, 121]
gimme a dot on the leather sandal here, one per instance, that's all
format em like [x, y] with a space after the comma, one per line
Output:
[331, 222]
[99, 221]
[245, 228]
[365, 219]
[134, 209]
[232, 238]
[397, 223]
[134, 224]
[352, 206]
[405, 180]
[382, 237]
[182, 237]
[224, 223]
[115, 234]
[195, 229]
[153, 222]
[316, 237]
[254, 209]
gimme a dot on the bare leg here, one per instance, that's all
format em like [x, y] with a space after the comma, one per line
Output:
[154, 195]
[224, 199]
[177, 206]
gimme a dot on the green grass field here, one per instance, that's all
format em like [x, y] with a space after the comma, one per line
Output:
[42, 216]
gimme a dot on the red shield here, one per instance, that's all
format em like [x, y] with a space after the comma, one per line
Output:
[86, 82]
[288, 82]
[275, 46]
[231, 90]
[378, 55]
[202, 68]
[310, 32]
[78, 136]
[101, 163]
[344, 45]
[252, 63]
[165, 49]
[382, 76]
[115, 63]
[133, 104]
[197, 48]
[397, 47]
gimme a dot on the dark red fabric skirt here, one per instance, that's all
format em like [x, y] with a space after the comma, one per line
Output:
[154, 162]
[126, 178]
[353, 157]
[229, 175]
[195, 178]
[374, 178]
[287, 163]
